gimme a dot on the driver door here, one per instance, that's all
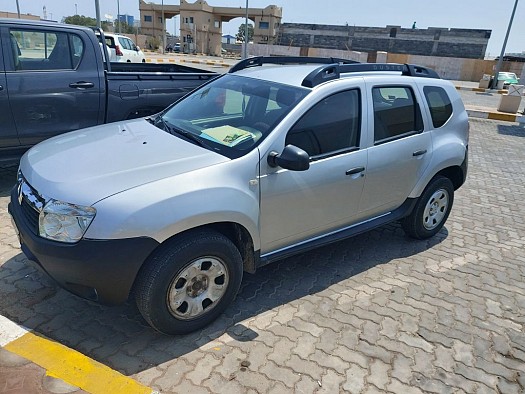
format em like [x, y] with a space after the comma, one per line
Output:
[297, 206]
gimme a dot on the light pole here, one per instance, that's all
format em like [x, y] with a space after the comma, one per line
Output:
[163, 28]
[500, 60]
[97, 11]
[76, 9]
[245, 55]
[118, 15]
[18, 9]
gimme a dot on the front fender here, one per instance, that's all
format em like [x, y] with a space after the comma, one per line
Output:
[168, 207]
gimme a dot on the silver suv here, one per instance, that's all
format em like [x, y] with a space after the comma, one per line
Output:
[278, 156]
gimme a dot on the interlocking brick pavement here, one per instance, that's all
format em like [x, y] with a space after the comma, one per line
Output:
[376, 313]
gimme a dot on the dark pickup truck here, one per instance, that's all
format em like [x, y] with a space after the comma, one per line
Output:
[54, 79]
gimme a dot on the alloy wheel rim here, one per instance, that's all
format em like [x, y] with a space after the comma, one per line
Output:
[197, 288]
[435, 209]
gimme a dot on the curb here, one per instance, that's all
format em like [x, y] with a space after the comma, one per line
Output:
[482, 90]
[473, 113]
[68, 365]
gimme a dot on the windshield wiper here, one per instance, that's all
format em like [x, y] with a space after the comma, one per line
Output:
[176, 130]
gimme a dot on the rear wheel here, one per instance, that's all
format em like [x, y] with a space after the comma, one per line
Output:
[189, 282]
[431, 210]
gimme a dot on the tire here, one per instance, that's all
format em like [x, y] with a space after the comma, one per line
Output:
[189, 282]
[431, 210]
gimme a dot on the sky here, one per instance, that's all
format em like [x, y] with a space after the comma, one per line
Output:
[472, 14]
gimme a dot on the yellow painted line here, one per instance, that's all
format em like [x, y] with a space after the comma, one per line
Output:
[148, 60]
[479, 89]
[504, 117]
[73, 367]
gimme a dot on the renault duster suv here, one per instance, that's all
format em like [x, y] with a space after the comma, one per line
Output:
[278, 156]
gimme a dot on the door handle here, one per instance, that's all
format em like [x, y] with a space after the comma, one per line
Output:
[419, 152]
[81, 85]
[355, 170]
[1, 88]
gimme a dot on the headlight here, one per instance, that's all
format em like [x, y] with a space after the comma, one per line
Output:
[64, 222]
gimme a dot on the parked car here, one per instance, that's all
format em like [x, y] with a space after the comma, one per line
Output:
[173, 48]
[508, 78]
[276, 157]
[66, 84]
[123, 49]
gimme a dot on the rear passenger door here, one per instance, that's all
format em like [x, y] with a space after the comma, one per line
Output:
[400, 149]
[8, 134]
[299, 205]
[54, 82]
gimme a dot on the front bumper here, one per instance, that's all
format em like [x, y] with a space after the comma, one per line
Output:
[99, 270]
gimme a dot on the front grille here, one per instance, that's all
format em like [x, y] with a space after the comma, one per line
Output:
[31, 203]
[30, 214]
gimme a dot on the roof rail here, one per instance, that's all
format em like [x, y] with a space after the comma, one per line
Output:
[260, 60]
[334, 71]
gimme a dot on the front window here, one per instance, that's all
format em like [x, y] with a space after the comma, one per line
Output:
[231, 114]
[45, 50]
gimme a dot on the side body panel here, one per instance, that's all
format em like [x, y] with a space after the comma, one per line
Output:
[8, 134]
[47, 102]
[136, 94]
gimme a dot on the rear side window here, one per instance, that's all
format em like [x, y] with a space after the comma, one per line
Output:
[439, 105]
[124, 42]
[110, 42]
[332, 126]
[396, 113]
[45, 50]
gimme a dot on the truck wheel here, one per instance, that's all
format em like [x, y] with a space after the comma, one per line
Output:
[431, 210]
[189, 282]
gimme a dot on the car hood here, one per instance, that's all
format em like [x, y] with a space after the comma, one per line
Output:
[85, 166]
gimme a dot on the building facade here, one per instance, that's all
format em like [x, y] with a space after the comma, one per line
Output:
[434, 41]
[201, 24]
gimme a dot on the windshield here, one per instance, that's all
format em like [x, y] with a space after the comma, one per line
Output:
[231, 114]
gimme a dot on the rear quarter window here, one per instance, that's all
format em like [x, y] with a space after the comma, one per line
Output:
[439, 105]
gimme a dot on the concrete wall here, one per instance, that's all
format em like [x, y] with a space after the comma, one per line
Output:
[457, 68]
[281, 50]
[272, 50]
[460, 69]
[434, 41]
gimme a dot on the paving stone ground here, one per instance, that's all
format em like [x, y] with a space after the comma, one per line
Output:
[378, 313]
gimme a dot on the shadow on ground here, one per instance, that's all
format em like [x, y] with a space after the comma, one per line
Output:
[7, 179]
[121, 339]
[516, 130]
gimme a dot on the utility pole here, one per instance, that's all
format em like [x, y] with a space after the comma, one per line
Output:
[118, 16]
[97, 11]
[18, 9]
[76, 9]
[500, 60]
[245, 53]
[163, 27]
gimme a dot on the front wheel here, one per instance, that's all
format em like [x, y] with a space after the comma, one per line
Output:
[431, 210]
[189, 282]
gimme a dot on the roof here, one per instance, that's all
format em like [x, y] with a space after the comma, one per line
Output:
[312, 71]
[284, 74]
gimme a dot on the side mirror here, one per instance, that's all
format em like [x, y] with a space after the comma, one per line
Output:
[137, 48]
[292, 158]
